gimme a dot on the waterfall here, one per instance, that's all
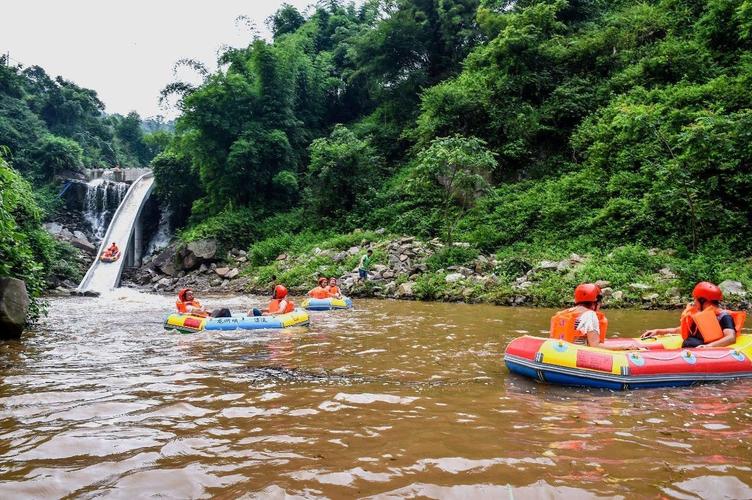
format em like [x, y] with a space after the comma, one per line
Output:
[163, 235]
[101, 200]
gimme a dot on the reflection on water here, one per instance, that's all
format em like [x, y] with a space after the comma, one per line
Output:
[389, 400]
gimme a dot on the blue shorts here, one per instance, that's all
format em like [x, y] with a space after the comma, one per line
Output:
[363, 274]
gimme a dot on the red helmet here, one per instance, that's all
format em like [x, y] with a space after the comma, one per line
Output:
[587, 292]
[708, 291]
[280, 292]
[182, 292]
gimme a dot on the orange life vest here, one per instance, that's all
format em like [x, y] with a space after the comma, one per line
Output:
[707, 322]
[183, 307]
[333, 291]
[274, 307]
[563, 325]
[319, 293]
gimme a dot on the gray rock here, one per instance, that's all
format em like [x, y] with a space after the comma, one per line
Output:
[667, 274]
[607, 291]
[80, 235]
[603, 284]
[222, 271]
[618, 295]
[576, 259]
[155, 278]
[729, 287]
[164, 282]
[190, 261]
[339, 257]
[563, 266]
[380, 230]
[232, 274]
[84, 245]
[650, 297]
[53, 228]
[165, 261]
[203, 249]
[674, 293]
[215, 282]
[388, 274]
[353, 250]
[403, 257]
[390, 288]
[91, 293]
[14, 305]
[283, 256]
[203, 268]
[453, 277]
[461, 244]
[547, 265]
[640, 287]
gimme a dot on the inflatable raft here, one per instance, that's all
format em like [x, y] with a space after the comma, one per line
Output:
[326, 304]
[663, 363]
[188, 324]
[109, 258]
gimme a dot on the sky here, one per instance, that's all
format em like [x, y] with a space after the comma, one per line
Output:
[126, 50]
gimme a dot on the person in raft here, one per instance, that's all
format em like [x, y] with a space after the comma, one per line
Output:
[365, 265]
[111, 251]
[279, 304]
[333, 289]
[320, 291]
[188, 304]
[703, 323]
[584, 323]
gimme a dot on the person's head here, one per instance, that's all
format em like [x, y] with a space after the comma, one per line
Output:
[113, 244]
[369, 252]
[323, 281]
[332, 281]
[280, 292]
[185, 295]
[588, 295]
[706, 293]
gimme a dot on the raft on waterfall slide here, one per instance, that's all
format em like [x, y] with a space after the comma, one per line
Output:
[185, 323]
[326, 304]
[664, 363]
[108, 257]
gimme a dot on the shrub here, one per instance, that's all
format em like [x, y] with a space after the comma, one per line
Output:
[451, 256]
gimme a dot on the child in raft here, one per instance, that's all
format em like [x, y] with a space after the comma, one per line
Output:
[320, 292]
[188, 304]
[703, 323]
[333, 289]
[584, 323]
[279, 304]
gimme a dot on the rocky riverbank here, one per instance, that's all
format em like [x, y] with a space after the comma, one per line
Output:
[410, 269]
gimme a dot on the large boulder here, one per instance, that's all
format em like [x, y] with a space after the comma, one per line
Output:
[203, 249]
[729, 287]
[84, 244]
[165, 261]
[198, 252]
[14, 305]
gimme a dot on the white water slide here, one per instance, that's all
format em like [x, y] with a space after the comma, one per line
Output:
[104, 276]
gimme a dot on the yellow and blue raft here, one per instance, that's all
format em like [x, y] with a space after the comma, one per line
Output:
[185, 323]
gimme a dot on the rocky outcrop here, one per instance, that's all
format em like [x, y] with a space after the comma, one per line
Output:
[14, 306]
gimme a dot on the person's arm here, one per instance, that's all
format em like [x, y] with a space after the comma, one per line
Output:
[659, 331]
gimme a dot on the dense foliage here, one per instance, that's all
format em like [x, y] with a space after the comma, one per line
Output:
[52, 126]
[27, 251]
[593, 125]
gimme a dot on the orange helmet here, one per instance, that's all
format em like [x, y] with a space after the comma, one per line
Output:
[587, 292]
[280, 292]
[182, 292]
[708, 291]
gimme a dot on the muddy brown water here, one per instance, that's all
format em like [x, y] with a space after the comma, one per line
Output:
[392, 400]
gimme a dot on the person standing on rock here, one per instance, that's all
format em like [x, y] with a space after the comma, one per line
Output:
[365, 265]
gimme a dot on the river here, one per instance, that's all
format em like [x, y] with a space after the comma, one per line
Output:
[392, 399]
